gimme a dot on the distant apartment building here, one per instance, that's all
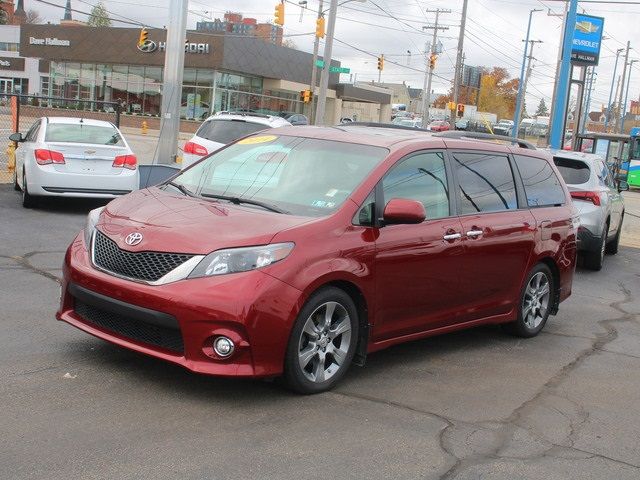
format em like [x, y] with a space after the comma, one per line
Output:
[235, 23]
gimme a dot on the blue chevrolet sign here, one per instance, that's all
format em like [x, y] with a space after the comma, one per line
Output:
[587, 38]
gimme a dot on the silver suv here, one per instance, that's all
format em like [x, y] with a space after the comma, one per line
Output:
[597, 197]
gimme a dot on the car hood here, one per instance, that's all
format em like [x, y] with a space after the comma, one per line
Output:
[175, 223]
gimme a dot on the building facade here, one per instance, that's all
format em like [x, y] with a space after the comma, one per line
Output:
[237, 24]
[17, 74]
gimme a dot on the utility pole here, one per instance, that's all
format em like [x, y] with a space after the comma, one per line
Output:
[626, 96]
[559, 61]
[172, 88]
[520, 97]
[314, 71]
[587, 104]
[624, 78]
[459, 62]
[526, 82]
[431, 64]
[324, 76]
[613, 82]
[616, 110]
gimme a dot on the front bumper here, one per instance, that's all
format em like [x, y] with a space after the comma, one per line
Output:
[178, 322]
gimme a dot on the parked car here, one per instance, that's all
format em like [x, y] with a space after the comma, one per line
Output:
[344, 120]
[223, 128]
[73, 157]
[504, 127]
[596, 194]
[438, 126]
[295, 118]
[295, 253]
[408, 122]
[462, 124]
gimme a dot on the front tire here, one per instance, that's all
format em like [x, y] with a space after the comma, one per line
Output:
[322, 343]
[16, 187]
[535, 303]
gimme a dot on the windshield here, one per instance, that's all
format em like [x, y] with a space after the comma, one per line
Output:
[227, 131]
[82, 133]
[302, 176]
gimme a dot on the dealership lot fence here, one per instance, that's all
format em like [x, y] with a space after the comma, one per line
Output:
[19, 112]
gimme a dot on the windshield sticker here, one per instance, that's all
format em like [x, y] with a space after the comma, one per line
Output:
[331, 193]
[323, 204]
[256, 140]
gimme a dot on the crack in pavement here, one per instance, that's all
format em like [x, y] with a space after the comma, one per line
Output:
[23, 261]
[498, 436]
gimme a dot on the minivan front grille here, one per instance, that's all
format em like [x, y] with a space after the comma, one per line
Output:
[145, 266]
[160, 336]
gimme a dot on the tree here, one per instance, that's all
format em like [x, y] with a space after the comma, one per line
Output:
[289, 44]
[542, 110]
[32, 16]
[498, 93]
[99, 16]
[3, 14]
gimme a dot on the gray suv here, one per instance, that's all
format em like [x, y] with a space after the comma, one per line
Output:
[597, 197]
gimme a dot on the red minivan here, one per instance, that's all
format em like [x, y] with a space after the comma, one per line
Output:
[298, 252]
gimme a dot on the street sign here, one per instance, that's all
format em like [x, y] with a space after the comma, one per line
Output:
[320, 64]
[587, 38]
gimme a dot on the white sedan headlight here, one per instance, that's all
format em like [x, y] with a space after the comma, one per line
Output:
[234, 260]
[89, 228]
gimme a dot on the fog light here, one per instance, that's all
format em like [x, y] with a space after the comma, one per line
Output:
[223, 346]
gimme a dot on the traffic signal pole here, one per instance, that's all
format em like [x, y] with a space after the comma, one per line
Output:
[560, 104]
[324, 76]
[172, 88]
[314, 71]
[426, 91]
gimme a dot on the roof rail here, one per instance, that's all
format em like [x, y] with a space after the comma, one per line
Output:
[244, 113]
[461, 134]
[381, 125]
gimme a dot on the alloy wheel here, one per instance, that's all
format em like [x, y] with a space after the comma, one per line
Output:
[324, 342]
[536, 300]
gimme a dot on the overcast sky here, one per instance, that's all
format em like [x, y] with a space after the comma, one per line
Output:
[495, 30]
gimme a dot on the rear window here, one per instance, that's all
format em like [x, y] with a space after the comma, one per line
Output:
[574, 172]
[227, 131]
[542, 186]
[82, 133]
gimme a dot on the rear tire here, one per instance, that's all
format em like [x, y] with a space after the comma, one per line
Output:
[323, 342]
[594, 260]
[536, 300]
[28, 200]
[612, 247]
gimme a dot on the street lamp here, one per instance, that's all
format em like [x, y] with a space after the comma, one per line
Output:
[626, 96]
[519, 99]
[613, 83]
[328, 50]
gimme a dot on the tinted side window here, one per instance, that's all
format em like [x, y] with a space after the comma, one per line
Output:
[226, 131]
[541, 184]
[574, 172]
[485, 183]
[423, 178]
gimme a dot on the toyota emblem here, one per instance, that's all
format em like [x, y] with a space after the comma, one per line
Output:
[133, 239]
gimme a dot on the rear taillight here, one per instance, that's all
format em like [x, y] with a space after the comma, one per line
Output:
[593, 197]
[125, 161]
[195, 149]
[46, 157]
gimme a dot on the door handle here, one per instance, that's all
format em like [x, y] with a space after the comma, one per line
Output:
[452, 236]
[474, 233]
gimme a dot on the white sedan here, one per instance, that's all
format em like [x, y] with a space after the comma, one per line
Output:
[73, 157]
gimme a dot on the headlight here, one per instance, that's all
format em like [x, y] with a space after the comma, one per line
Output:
[92, 221]
[235, 260]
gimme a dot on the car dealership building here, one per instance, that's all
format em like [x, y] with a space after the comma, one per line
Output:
[222, 72]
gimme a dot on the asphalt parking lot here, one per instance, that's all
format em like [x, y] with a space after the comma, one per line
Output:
[472, 405]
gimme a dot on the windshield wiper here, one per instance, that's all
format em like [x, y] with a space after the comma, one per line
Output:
[248, 201]
[182, 189]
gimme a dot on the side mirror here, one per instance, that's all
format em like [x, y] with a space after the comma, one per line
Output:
[402, 211]
[16, 137]
[623, 186]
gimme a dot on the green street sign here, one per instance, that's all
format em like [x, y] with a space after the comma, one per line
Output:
[320, 64]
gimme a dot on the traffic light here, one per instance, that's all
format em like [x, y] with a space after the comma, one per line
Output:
[279, 14]
[460, 110]
[306, 96]
[381, 62]
[432, 61]
[144, 34]
[320, 27]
